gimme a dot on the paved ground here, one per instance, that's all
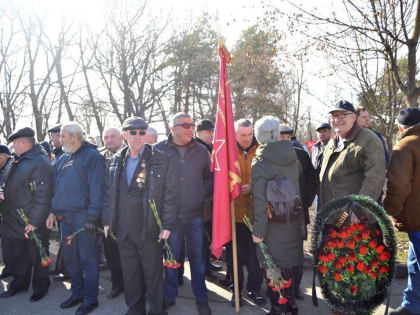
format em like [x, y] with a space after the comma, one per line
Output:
[219, 299]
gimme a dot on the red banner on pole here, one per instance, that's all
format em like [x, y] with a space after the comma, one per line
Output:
[225, 165]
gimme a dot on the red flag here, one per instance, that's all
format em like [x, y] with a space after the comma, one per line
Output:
[225, 165]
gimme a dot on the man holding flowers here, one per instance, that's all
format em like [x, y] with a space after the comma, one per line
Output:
[140, 193]
[27, 190]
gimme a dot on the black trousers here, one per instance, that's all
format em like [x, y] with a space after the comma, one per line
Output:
[112, 255]
[7, 253]
[297, 277]
[143, 273]
[27, 264]
[247, 256]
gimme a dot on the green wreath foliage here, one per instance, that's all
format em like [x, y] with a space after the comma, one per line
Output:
[319, 237]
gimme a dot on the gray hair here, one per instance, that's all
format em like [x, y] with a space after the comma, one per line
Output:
[74, 128]
[151, 131]
[175, 118]
[243, 122]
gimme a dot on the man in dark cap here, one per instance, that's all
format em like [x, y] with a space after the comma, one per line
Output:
[353, 161]
[324, 134]
[402, 201]
[6, 245]
[78, 198]
[204, 133]
[59, 271]
[138, 174]
[28, 180]
[57, 150]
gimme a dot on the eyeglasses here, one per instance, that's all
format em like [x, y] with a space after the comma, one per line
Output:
[186, 125]
[139, 132]
[339, 116]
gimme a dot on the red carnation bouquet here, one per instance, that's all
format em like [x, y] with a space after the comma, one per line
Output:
[45, 258]
[352, 260]
[170, 260]
[277, 283]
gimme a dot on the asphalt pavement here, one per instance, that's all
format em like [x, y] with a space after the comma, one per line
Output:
[219, 298]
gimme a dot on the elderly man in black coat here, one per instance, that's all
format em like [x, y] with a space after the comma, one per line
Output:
[28, 180]
[137, 174]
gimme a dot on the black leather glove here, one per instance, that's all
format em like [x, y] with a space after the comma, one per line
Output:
[91, 223]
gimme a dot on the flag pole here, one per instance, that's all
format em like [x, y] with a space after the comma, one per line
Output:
[235, 258]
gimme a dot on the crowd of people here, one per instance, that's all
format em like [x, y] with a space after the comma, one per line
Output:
[109, 198]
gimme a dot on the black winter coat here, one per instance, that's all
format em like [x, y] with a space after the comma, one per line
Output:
[160, 186]
[193, 177]
[308, 181]
[28, 186]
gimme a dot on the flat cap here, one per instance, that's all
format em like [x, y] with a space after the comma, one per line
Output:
[23, 132]
[56, 128]
[343, 106]
[4, 149]
[409, 116]
[205, 124]
[323, 126]
[284, 129]
[134, 123]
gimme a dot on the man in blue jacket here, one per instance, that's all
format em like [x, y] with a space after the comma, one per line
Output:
[78, 196]
[191, 161]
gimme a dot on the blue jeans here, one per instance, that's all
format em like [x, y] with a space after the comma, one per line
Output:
[81, 258]
[411, 299]
[192, 230]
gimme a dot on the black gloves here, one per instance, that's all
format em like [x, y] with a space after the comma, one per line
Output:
[91, 223]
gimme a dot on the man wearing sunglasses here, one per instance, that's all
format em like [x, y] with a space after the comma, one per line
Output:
[353, 161]
[138, 174]
[194, 183]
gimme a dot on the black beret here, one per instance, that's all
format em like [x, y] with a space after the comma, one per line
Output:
[4, 149]
[134, 123]
[56, 128]
[205, 124]
[323, 126]
[343, 106]
[409, 116]
[24, 132]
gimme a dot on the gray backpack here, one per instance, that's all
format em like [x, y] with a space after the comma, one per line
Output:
[283, 199]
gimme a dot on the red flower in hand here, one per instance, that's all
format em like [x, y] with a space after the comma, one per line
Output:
[374, 275]
[373, 244]
[363, 250]
[338, 266]
[374, 263]
[331, 256]
[353, 289]
[340, 244]
[358, 238]
[282, 300]
[350, 268]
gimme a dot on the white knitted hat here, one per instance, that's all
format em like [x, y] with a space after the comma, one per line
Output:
[266, 129]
